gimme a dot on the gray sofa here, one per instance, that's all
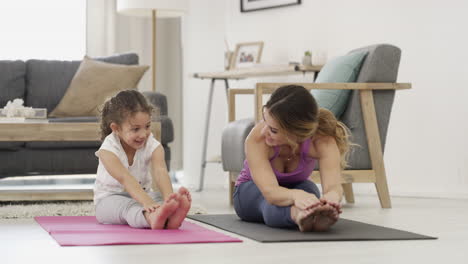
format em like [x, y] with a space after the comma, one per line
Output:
[42, 84]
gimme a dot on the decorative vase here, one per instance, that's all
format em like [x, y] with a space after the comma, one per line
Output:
[307, 60]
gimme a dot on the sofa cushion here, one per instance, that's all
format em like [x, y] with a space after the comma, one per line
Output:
[63, 161]
[12, 86]
[12, 81]
[11, 145]
[48, 80]
[13, 163]
[93, 84]
[343, 69]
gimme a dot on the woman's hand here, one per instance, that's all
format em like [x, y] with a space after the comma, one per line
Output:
[336, 208]
[304, 200]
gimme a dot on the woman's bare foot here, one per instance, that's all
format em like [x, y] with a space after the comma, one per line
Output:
[325, 218]
[304, 219]
[315, 219]
[185, 201]
[158, 218]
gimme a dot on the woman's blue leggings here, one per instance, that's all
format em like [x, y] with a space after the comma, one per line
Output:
[252, 207]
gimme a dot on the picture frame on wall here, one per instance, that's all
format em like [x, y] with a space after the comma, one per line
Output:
[255, 5]
[246, 55]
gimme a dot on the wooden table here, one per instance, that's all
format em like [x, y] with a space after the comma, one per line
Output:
[237, 74]
[74, 131]
[259, 71]
[51, 132]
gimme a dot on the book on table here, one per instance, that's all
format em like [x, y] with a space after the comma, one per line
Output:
[26, 115]
[23, 120]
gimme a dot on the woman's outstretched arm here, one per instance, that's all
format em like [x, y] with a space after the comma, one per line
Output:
[330, 169]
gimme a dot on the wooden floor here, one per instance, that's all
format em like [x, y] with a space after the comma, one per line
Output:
[23, 241]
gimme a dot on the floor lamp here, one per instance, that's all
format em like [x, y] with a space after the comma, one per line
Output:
[153, 9]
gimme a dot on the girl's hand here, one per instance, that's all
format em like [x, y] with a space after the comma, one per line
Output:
[151, 207]
[304, 200]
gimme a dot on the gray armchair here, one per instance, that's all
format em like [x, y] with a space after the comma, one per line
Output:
[367, 115]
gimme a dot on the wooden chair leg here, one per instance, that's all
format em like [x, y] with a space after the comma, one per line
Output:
[232, 182]
[381, 185]
[375, 147]
[348, 192]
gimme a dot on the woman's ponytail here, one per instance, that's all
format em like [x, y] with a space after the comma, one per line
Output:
[328, 125]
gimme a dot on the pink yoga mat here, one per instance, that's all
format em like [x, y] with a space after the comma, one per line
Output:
[86, 231]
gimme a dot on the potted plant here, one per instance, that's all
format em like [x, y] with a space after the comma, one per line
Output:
[307, 59]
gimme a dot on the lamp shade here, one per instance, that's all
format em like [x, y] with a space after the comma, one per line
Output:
[143, 8]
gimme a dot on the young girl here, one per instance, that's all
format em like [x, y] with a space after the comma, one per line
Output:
[274, 186]
[130, 159]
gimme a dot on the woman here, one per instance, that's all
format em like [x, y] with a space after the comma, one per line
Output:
[282, 151]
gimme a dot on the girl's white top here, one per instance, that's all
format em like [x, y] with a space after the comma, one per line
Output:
[106, 185]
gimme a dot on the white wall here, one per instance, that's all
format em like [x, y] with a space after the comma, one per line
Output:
[204, 29]
[426, 153]
[37, 30]
[169, 80]
[109, 33]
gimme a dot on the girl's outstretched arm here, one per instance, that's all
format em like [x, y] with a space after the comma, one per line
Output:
[117, 170]
[159, 172]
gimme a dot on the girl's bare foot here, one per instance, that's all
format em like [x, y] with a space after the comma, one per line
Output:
[176, 219]
[158, 218]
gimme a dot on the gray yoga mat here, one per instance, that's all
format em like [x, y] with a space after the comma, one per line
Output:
[343, 230]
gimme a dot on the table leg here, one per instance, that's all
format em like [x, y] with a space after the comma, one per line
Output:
[205, 138]
[316, 75]
[207, 126]
[226, 85]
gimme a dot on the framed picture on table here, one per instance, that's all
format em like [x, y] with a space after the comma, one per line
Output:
[255, 5]
[246, 55]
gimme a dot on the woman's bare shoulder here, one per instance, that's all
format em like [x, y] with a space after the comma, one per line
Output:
[320, 145]
[255, 142]
[255, 135]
